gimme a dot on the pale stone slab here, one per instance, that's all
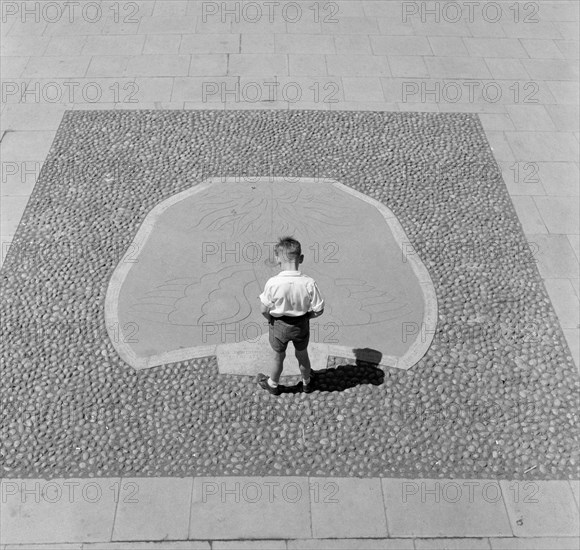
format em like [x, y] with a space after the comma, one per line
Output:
[364, 89]
[352, 43]
[208, 65]
[306, 64]
[452, 544]
[113, 45]
[564, 300]
[564, 92]
[158, 65]
[543, 509]
[340, 24]
[538, 48]
[357, 65]
[25, 146]
[351, 544]
[457, 67]
[156, 509]
[266, 64]
[302, 44]
[248, 545]
[250, 508]
[57, 67]
[502, 150]
[574, 241]
[13, 66]
[554, 256]
[201, 89]
[245, 360]
[445, 508]
[575, 486]
[569, 48]
[566, 117]
[59, 546]
[210, 43]
[165, 545]
[447, 46]
[24, 45]
[552, 69]
[348, 507]
[11, 210]
[537, 543]
[531, 118]
[162, 44]
[169, 24]
[528, 214]
[506, 68]
[407, 65]
[57, 511]
[559, 178]
[539, 29]
[400, 45]
[559, 214]
[496, 122]
[108, 65]
[257, 43]
[147, 89]
[573, 338]
[543, 146]
[494, 47]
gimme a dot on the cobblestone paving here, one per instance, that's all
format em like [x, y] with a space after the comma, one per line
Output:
[494, 396]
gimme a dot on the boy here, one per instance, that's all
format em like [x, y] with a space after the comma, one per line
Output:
[289, 301]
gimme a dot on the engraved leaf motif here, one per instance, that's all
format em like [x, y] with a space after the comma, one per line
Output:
[225, 296]
[240, 215]
[356, 302]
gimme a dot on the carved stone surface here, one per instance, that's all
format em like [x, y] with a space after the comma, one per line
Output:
[202, 257]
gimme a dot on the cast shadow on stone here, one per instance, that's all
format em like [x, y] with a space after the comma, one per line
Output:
[362, 371]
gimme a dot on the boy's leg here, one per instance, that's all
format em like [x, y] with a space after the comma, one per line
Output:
[278, 365]
[304, 363]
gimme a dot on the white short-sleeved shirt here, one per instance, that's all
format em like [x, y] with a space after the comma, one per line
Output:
[291, 293]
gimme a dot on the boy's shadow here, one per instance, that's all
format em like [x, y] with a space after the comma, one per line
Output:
[346, 376]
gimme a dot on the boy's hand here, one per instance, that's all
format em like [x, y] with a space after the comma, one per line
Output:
[312, 314]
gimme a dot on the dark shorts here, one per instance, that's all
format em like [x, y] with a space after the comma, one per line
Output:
[289, 329]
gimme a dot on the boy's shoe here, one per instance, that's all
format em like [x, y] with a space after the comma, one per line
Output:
[262, 381]
[309, 388]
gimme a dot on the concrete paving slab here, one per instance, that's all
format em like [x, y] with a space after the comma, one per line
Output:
[452, 544]
[32, 117]
[57, 511]
[543, 146]
[554, 256]
[564, 300]
[346, 507]
[165, 545]
[544, 543]
[559, 214]
[573, 338]
[351, 544]
[528, 214]
[541, 508]
[153, 509]
[248, 545]
[445, 508]
[21, 146]
[250, 508]
[558, 178]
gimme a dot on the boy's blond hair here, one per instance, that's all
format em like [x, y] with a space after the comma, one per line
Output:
[289, 247]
